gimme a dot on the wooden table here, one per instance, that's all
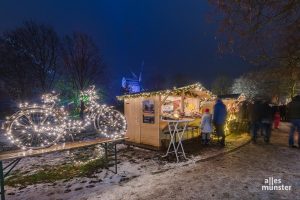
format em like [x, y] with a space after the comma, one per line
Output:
[17, 155]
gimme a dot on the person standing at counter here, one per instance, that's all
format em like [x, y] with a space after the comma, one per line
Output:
[219, 119]
[206, 127]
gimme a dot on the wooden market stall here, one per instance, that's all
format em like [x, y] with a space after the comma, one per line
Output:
[144, 111]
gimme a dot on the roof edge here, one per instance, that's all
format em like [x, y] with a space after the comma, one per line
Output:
[162, 92]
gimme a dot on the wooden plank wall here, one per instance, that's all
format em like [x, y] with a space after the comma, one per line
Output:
[150, 132]
[139, 132]
[132, 114]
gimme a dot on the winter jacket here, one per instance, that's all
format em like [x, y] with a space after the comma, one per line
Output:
[266, 113]
[220, 113]
[205, 125]
[293, 108]
[256, 111]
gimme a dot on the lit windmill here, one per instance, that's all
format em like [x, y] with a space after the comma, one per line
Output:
[134, 84]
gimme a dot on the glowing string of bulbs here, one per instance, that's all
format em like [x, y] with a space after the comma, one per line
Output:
[44, 125]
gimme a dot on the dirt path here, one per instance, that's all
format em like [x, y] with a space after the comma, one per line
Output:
[237, 175]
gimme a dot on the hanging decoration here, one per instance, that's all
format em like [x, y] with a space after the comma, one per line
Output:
[38, 126]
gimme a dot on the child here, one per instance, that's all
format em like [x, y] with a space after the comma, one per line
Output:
[276, 120]
[206, 127]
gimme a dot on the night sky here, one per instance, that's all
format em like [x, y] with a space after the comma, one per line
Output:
[171, 36]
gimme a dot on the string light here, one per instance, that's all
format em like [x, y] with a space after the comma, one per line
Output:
[174, 91]
[233, 109]
[37, 126]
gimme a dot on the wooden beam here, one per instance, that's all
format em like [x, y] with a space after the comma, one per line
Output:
[162, 102]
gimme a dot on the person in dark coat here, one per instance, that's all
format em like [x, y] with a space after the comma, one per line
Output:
[293, 111]
[266, 120]
[219, 119]
[255, 119]
[282, 111]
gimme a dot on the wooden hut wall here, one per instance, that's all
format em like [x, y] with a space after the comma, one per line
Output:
[150, 131]
[141, 128]
[132, 113]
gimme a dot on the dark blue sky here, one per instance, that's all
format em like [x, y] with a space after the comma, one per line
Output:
[171, 36]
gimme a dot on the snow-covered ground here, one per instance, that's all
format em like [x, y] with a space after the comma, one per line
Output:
[144, 174]
[135, 163]
[237, 175]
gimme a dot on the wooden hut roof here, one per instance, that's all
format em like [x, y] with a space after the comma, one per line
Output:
[194, 90]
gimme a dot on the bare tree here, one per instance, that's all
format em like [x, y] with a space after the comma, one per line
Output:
[15, 71]
[221, 85]
[262, 31]
[266, 33]
[82, 60]
[40, 44]
[289, 77]
[155, 82]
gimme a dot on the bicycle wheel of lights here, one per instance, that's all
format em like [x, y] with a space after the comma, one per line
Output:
[35, 128]
[111, 123]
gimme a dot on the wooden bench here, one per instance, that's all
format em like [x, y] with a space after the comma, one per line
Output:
[110, 146]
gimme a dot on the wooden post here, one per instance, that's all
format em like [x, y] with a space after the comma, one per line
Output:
[116, 159]
[182, 102]
[106, 157]
[162, 102]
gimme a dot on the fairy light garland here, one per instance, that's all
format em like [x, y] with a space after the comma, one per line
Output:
[37, 126]
[174, 91]
[233, 110]
[107, 121]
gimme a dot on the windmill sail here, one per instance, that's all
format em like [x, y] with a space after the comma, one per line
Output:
[133, 85]
[142, 67]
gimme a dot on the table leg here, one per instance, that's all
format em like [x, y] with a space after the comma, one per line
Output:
[116, 159]
[111, 155]
[2, 181]
[105, 148]
[172, 142]
[171, 139]
[180, 135]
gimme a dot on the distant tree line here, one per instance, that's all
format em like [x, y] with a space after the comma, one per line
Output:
[274, 83]
[34, 59]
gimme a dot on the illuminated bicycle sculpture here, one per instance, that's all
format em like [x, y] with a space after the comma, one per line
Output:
[36, 126]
